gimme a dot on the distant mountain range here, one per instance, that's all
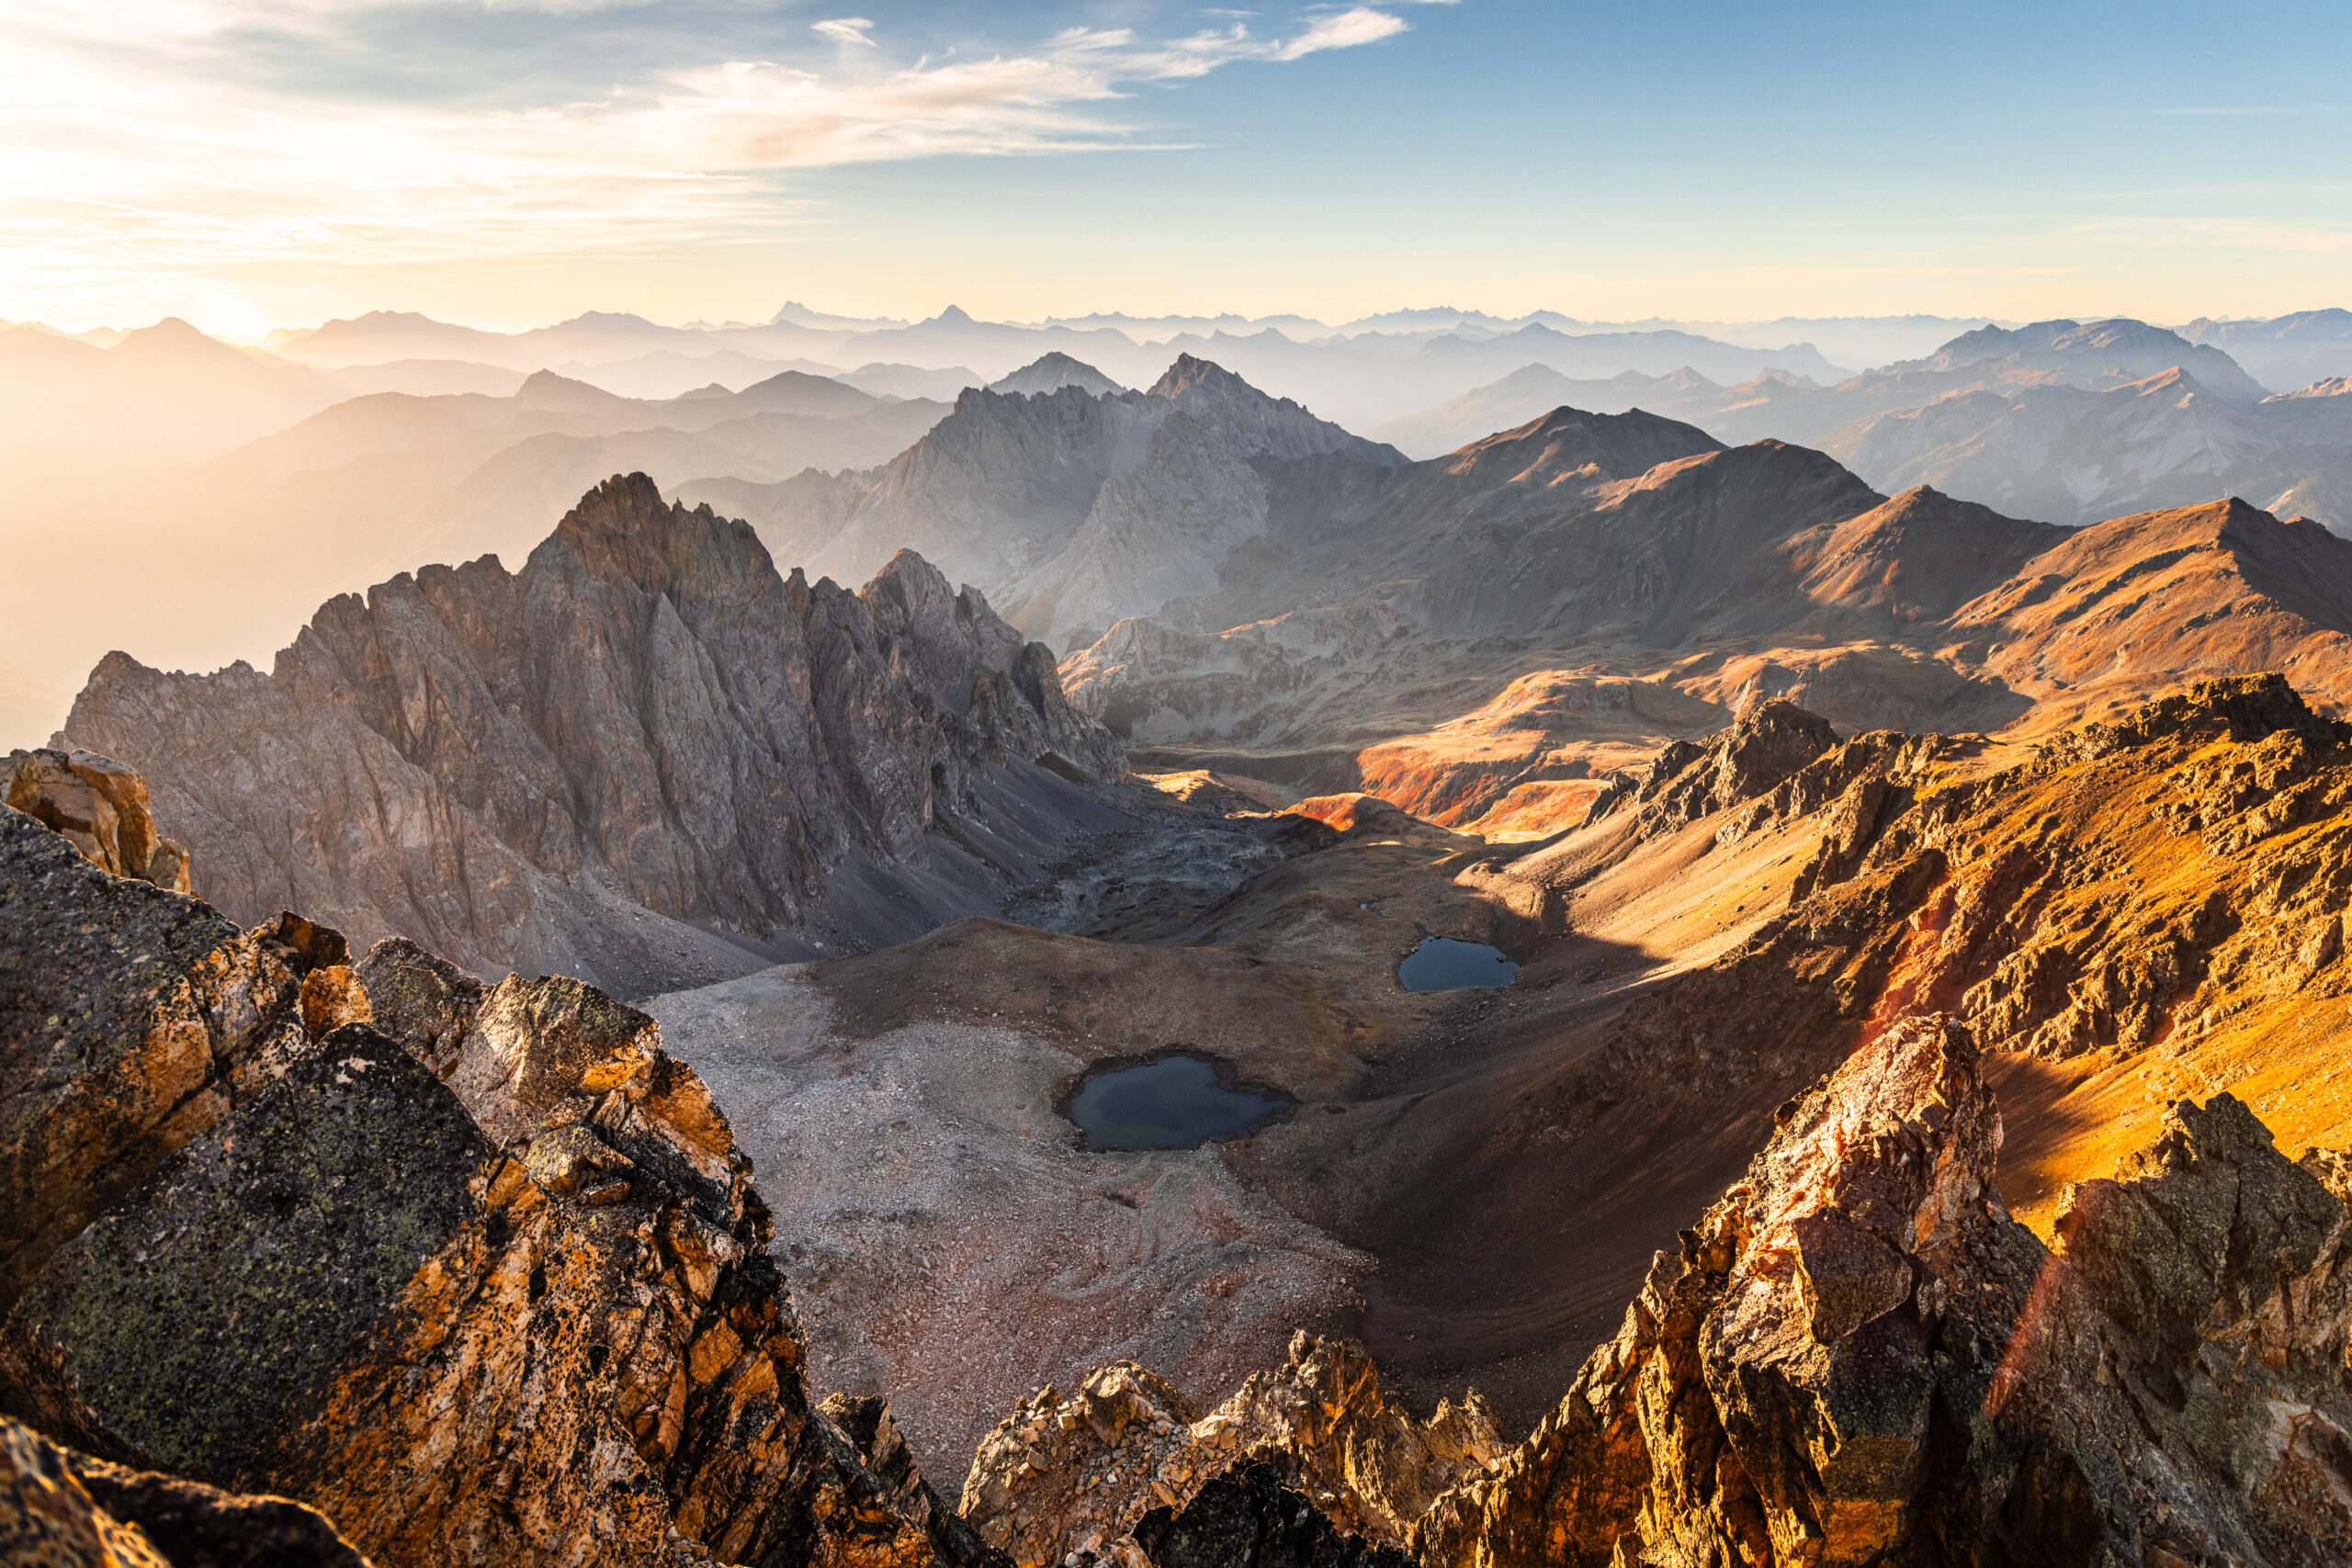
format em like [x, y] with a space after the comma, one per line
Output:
[1550, 602]
[1074, 505]
[2062, 420]
[228, 514]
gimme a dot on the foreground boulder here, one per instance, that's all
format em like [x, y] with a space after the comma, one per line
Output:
[1858, 1356]
[62, 1509]
[1250, 1520]
[101, 809]
[524, 1315]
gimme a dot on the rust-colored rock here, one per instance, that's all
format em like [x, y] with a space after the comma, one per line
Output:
[131, 1021]
[101, 808]
[1247, 1518]
[60, 1509]
[525, 1315]
[1858, 1358]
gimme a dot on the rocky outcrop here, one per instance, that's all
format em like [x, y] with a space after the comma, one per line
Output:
[1081, 1474]
[646, 758]
[1859, 1356]
[1249, 1520]
[60, 1509]
[131, 1021]
[101, 809]
[1766, 744]
[497, 1291]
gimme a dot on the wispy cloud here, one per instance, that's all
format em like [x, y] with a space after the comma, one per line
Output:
[845, 29]
[1357, 24]
[152, 157]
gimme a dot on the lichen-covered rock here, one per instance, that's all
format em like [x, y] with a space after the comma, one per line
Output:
[524, 1315]
[1061, 1475]
[1250, 1520]
[1858, 1358]
[419, 998]
[131, 1021]
[48, 1519]
[101, 809]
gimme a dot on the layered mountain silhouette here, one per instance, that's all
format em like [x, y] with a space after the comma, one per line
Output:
[2073, 454]
[1591, 550]
[2285, 351]
[2062, 420]
[1075, 507]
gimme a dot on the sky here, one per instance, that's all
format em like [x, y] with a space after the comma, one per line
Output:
[250, 164]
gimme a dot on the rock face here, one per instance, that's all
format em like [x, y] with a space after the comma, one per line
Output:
[66, 1509]
[646, 758]
[1766, 744]
[101, 809]
[499, 1292]
[1082, 1474]
[1859, 1358]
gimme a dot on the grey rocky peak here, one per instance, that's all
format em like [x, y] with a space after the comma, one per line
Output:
[1054, 371]
[647, 758]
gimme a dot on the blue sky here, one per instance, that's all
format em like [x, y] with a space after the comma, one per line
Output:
[509, 163]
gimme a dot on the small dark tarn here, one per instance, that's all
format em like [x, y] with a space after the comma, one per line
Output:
[1442, 964]
[1175, 1102]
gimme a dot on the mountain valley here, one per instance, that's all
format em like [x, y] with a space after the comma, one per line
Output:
[1907, 935]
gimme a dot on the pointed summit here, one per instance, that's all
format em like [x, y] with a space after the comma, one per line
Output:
[1055, 371]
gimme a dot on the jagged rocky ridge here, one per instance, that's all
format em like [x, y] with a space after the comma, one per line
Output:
[60, 1509]
[1859, 1356]
[646, 758]
[477, 1273]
